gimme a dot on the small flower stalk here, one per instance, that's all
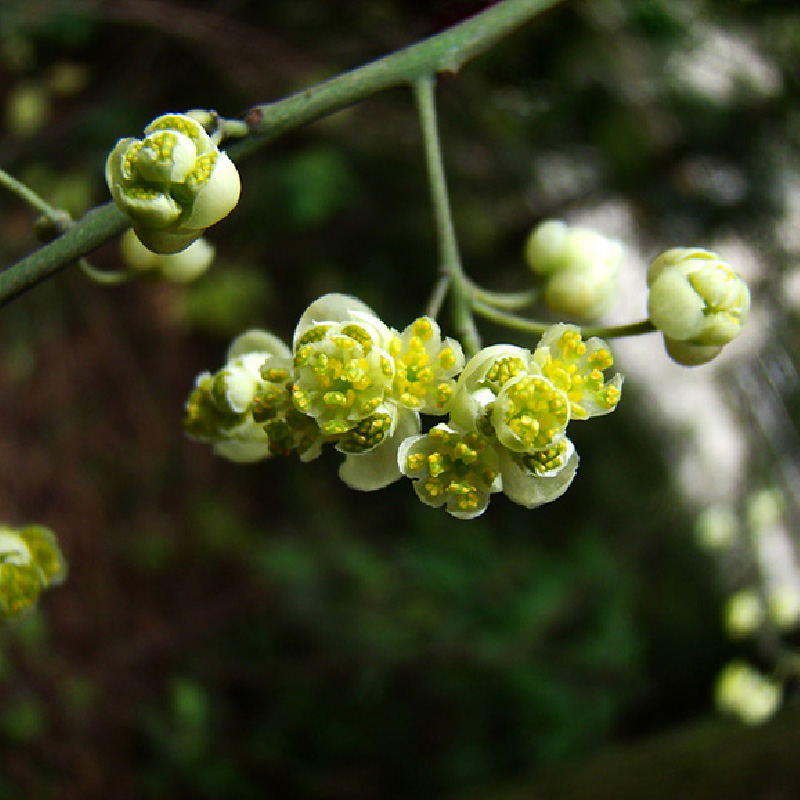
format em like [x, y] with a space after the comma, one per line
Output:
[697, 301]
[173, 183]
[351, 381]
[30, 561]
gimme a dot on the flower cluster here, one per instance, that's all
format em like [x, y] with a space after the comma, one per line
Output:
[30, 561]
[173, 184]
[351, 381]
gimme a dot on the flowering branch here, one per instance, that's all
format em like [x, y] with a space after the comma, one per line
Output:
[445, 52]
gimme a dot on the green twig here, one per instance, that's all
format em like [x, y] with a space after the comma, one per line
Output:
[445, 52]
[93, 229]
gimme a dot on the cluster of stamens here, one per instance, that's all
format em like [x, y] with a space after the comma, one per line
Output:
[578, 372]
[453, 466]
[423, 366]
[340, 380]
[530, 414]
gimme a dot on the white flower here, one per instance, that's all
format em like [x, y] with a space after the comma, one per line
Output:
[451, 468]
[173, 184]
[576, 368]
[245, 410]
[424, 366]
[30, 561]
[343, 370]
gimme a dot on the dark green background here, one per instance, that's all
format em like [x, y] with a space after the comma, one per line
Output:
[234, 631]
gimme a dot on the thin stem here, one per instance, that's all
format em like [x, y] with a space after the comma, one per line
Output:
[102, 277]
[503, 300]
[449, 258]
[620, 331]
[437, 296]
[27, 195]
[96, 227]
[538, 328]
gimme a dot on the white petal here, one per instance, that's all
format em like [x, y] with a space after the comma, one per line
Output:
[404, 449]
[331, 307]
[216, 198]
[13, 549]
[454, 511]
[156, 211]
[242, 452]
[380, 467]
[258, 341]
[531, 490]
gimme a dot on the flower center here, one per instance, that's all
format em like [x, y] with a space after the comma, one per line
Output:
[530, 414]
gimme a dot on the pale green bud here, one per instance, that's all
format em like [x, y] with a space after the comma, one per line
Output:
[586, 294]
[235, 385]
[743, 614]
[784, 607]
[580, 265]
[764, 508]
[173, 184]
[696, 299]
[27, 109]
[181, 267]
[544, 247]
[746, 693]
[717, 527]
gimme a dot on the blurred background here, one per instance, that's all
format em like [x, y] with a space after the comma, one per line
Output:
[250, 631]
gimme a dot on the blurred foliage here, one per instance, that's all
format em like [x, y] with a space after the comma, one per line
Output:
[232, 631]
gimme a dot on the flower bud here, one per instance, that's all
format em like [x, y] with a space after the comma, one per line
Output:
[746, 693]
[697, 301]
[181, 267]
[173, 184]
[580, 267]
[744, 613]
